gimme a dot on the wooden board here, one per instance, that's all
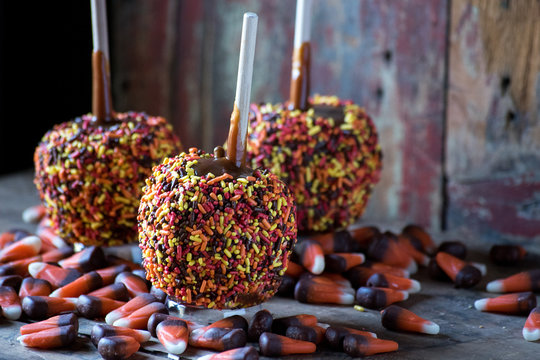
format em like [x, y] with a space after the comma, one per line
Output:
[465, 332]
[493, 136]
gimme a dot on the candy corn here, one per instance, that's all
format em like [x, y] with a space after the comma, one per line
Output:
[160, 295]
[134, 284]
[387, 249]
[294, 270]
[173, 335]
[357, 345]
[314, 291]
[378, 298]
[280, 325]
[419, 233]
[311, 256]
[91, 258]
[114, 291]
[393, 282]
[462, 274]
[110, 273]
[13, 281]
[363, 236]
[92, 307]
[139, 318]
[531, 330]
[42, 307]
[334, 242]
[304, 333]
[25, 248]
[34, 214]
[100, 331]
[341, 262]
[82, 285]
[507, 255]
[157, 318]
[400, 319]
[359, 275]
[131, 306]
[276, 345]
[407, 244]
[10, 303]
[286, 288]
[518, 303]
[219, 339]
[34, 287]
[335, 334]
[231, 322]
[50, 338]
[261, 322]
[243, 353]
[454, 248]
[53, 322]
[47, 235]
[523, 281]
[117, 347]
[55, 275]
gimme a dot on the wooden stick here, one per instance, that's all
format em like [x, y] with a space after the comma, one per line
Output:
[236, 142]
[301, 59]
[101, 78]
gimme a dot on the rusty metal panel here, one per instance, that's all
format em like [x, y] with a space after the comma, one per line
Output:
[493, 136]
[179, 59]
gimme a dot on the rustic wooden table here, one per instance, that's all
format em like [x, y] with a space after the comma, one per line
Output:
[465, 332]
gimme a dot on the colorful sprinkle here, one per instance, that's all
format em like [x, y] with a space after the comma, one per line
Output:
[90, 177]
[214, 247]
[330, 165]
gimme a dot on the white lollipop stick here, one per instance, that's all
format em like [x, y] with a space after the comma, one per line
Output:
[99, 27]
[302, 23]
[236, 144]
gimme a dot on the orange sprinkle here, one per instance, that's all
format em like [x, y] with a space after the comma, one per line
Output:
[203, 286]
[266, 224]
[219, 178]
[201, 208]
[236, 197]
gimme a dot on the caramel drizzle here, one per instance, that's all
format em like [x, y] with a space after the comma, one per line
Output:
[300, 79]
[101, 89]
[233, 151]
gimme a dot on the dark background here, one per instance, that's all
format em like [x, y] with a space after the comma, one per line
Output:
[45, 73]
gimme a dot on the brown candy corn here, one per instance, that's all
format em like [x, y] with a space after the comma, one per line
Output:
[24, 248]
[334, 242]
[359, 275]
[135, 285]
[454, 248]
[335, 334]
[82, 285]
[10, 303]
[378, 298]
[110, 273]
[462, 274]
[407, 245]
[286, 288]
[139, 318]
[507, 255]
[315, 291]
[50, 338]
[131, 306]
[91, 258]
[117, 347]
[393, 282]
[243, 353]
[100, 331]
[157, 318]
[419, 233]
[341, 262]
[173, 335]
[160, 295]
[261, 322]
[363, 236]
[523, 281]
[219, 339]
[276, 345]
[280, 325]
[304, 333]
[55, 275]
[93, 307]
[35, 287]
[53, 322]
[114, 291]
[357, 345]
[13, 281]
[518, 303]
[42, 307]
[231, 322]
[531, 329]
[387, 249]
[311, 256]
[400, 319]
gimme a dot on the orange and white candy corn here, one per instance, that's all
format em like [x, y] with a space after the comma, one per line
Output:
[531, 329]
[10, 303]
[53, 322]
[82, 285]
[24, 248]
[463, 275]
[100, 331]
[400, 319]
[130, 307]
[276, 345]
[523, 281]
[173, 335]
[311, 256]
[378, 298]
[118, 347]
[51, 338]
[393, 282]
[139, 318]
[517, 303]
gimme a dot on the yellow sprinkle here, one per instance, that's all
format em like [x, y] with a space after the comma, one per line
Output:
[359, 308]
[228, 253]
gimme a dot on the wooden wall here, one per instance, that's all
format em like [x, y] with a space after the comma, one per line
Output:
[460, 142]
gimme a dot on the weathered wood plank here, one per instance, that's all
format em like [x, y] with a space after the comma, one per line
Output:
[493, 136]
